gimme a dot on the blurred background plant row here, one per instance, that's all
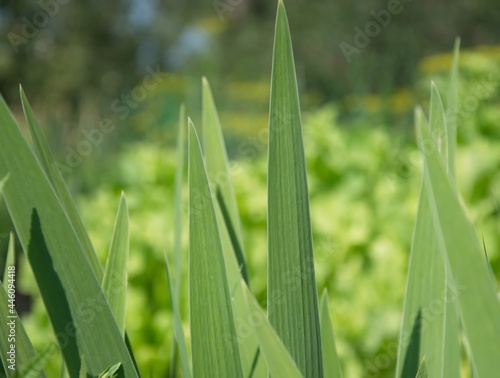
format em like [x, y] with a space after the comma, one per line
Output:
[93, 59]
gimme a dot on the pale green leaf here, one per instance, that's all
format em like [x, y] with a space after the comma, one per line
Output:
[178, 330]
[210, 302]
[290, 256]
[220, 177]
[451, 109]
[331, 362]
[479, 305]
[279, 361]
[114, 283]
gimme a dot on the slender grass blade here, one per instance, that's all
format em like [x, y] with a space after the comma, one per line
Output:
[114, 283]
[279, 361]
[290, 256]
[331, 362]
[219, 176]
[210, 302]
[479, 305]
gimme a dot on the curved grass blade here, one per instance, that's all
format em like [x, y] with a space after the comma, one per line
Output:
[331, 362]
[210, 302]
[178, 330]
[70, 289]
[479, 305]
[114, 283]
[63, 194]
[290, 259]
[279, 361]
[219, 176]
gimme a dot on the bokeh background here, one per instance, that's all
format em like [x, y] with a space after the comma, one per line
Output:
[106, 80]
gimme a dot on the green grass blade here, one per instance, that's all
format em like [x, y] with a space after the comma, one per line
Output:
[211, 313]
[437, 121]
[114, 283]
[279, 361]
[178, 201]
[230, 231]
[422, 370]
[453, 345]
[178, 330]
[291, 260]
[219, 176]
[178, 216]
[35, 367]
[331, 362]
[451, 109]
[428, 305]
[49, 166]
[111, 372]
[479, 305]
[69, 287]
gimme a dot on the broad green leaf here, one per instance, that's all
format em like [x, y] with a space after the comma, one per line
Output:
[35, 367]
[111, 372]
[219, 176]
[279, 361]
[331, 363]
[422, 370]
[178, 330]
[114, 283]
[63, 194]
[230, 232]
[295, 315]
[24, 351]
[451, 109]
[68, 284]
[211, 312]
[479, 305]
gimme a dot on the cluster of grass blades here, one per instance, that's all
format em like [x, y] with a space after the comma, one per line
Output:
[450, 294]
